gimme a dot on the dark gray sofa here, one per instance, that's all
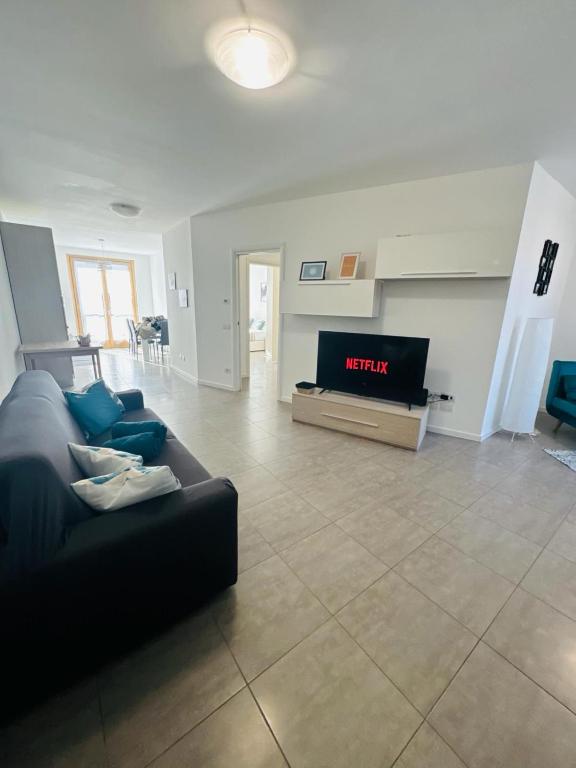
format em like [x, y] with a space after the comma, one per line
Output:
[78, 587]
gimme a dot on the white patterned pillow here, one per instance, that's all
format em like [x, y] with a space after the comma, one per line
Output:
[129, 486]
[95, 461]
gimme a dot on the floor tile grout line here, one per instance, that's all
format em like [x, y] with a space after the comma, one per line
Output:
[390, 568]
[516, 533]
[482, 639]
[292, 648]
[203, 719]
[307, 588]
[268, 725]
[423, 594]
[193, 728]
[410, 740]
[247, 686]
[515, 585]
[479, 562]
[396, 685]
[440, 736]
[102, 726]
[364, 589]
[527, 676]
[415, 734]
[385, 674]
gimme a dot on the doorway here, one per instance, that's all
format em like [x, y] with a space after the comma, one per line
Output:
[104, 292]
[259, 319]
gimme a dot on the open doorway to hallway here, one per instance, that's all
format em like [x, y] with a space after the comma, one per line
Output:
[259, 320]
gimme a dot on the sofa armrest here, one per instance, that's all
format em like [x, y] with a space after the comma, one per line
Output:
[119, 578]
[132, 399]
[135, 563]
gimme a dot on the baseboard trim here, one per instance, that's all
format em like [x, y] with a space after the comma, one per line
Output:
[486, 435]
[474, 436]
[285, 399]
[184, 374]
[217, 385]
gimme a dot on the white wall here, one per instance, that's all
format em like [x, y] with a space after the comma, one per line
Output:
[177, 251]
[142, 268]
[462, 318]
[272, 312]
[158, 279]
[550, 213]
[564, 339]
[11, 363]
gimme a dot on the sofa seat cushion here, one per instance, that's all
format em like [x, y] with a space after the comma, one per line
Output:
[564, 406]
[142, 414]
[570, 387]
[173, 454]
[186, 468]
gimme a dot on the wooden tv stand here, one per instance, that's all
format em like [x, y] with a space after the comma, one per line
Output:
[376, 420]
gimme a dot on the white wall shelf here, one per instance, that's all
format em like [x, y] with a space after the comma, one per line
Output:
[447, 255]
[324, 282]
[334, 298]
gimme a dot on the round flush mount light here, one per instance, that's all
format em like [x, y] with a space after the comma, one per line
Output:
[252, 58]
[127, 210]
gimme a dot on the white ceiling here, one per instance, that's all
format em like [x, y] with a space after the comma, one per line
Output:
[104, 100]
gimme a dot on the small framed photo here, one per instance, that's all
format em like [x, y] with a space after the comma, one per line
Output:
[313, 270]
[183, 297]
[348, 266]
[172, 281]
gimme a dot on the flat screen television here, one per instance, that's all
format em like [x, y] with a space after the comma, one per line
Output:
[374, 365]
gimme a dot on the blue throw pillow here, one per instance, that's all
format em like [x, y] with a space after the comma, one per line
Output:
[95, 408]
[146, 444]
[124, 428]
[570, 388]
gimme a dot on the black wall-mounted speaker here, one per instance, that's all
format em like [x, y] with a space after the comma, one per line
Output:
[545, 268]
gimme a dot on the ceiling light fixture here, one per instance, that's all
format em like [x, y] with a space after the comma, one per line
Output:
[127, 210]
[252, 58]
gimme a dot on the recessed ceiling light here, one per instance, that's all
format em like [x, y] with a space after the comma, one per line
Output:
[252, 58]
[127, 210]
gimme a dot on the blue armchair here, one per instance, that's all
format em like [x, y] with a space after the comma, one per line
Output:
[556, 403]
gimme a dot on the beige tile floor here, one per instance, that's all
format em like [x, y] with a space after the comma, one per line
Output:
[415, 610]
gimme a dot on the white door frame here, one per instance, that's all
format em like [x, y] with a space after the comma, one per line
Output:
[235, 313]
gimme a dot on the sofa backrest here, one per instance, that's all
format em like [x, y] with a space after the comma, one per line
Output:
[560, 368]
[36, 469]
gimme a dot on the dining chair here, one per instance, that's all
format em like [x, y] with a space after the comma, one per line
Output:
[163, 337]
[134, 339]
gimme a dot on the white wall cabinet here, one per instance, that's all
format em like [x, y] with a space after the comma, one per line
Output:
[447, 255]
[336, 298]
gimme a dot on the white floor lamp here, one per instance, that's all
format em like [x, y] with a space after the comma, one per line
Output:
[525, 390]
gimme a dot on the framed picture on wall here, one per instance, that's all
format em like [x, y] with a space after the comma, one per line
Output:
[183, 297]
[348, 266]
[313, 270]
[172, 281]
